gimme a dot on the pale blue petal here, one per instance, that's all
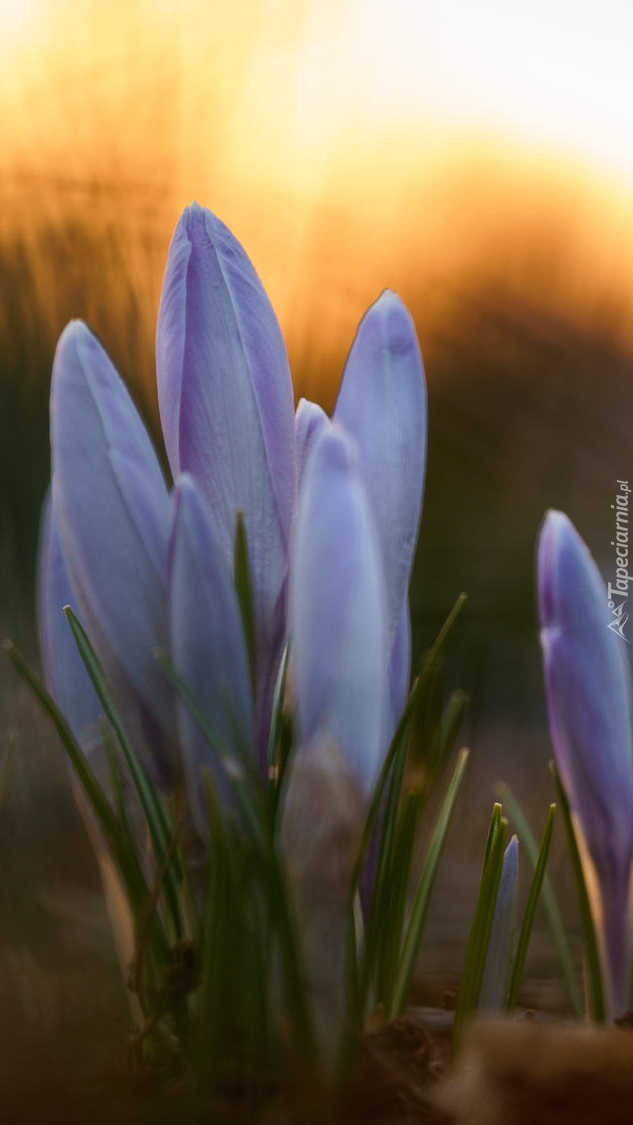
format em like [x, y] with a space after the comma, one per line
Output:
[64, 673]
[207, 647]
[382, 404]
[112, 512]
[310, 421]
[337, 611]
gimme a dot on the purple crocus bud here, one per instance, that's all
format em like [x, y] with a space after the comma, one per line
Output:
[227, 411]
[208, 650]
[112, 514]
[337, 611]
[310, 421]
[382, 404]
[497, 966]
[586, 681]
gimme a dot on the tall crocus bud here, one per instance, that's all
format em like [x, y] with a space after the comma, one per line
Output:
[382, 404]
[337, 611]
[112, 516]
[586, 680]
[227, 412]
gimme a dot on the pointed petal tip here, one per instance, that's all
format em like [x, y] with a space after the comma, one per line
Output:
[336, 449]
[399, 330]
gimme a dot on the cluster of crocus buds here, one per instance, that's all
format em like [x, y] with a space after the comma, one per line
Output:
[330, 510]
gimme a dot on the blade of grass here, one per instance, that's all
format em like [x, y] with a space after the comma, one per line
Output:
[595, 989]
[475, 959]
[153, 808]
[550, 902]
[530, 910]
[425, 887]
[400, 737]
[116, 839]
[246, 784]
[278, 704]
[393, 918]
[244, 590]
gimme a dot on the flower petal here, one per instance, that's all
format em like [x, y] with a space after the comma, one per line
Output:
[382, 404]
[310, 421]
[64, 673]
[337, 611]
[112, 512]
[225, 396]
[207, 645]
[496, 968]
[586, 680]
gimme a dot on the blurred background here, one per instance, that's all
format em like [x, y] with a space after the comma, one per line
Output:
[477, 159]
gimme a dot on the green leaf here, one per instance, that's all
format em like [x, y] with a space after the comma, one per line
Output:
[530, 910]
[395, 903]
[278, 705]
[550, 902]
[246, 783]
[117, 839]
[398, 744]
[595, 989]
[244, 590]
[151, 802]
[425, 887]
[476, 951]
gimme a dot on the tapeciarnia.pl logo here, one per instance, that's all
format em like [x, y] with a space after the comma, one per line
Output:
[618, 591]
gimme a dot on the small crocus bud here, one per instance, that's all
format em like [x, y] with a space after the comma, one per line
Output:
[337, 611]
[587, 687]
[495, 978]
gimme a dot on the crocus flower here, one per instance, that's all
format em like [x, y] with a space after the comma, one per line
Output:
[586, 680]
[496, 968]
[226, 406]
[112, 517]
[338, 611]
[147, 572]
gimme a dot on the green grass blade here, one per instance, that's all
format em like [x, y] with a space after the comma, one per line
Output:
[476, 951]
[396, 897]
[244, 590]
[425, 886]
[550, 903]
[151, 803]
[277, 712]
[595, 989]
[399, 741]
[530, 910]
[246, 786]
[115, 836]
